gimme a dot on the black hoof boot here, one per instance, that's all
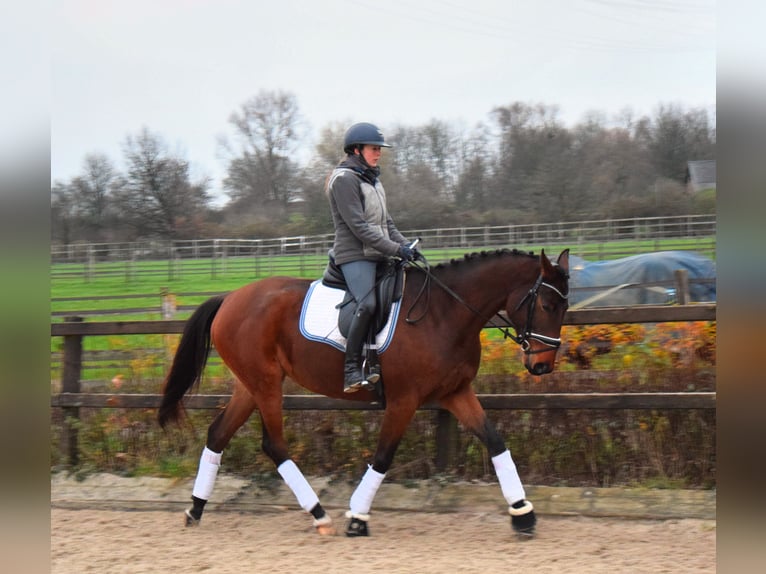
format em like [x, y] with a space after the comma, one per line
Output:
[523, 519]
[357, 527]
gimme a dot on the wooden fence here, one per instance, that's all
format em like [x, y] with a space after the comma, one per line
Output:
[306, 256]
[71, 399]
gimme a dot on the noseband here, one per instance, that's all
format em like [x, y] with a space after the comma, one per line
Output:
[527, 334]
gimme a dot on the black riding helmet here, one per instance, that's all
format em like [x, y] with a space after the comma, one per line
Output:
[363, 134]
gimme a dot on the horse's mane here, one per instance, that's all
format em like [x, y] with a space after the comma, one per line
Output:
[477, 256]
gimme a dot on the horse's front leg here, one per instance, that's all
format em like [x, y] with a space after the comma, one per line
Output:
[467, 409]
[395, 422]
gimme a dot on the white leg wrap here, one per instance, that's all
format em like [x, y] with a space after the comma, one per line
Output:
[209, 463]
[361, 500]
[510, 483]
[301, 488]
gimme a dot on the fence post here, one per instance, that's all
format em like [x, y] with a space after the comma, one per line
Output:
[70, 383]
[90, 263]
[682, 286]
[446, 437]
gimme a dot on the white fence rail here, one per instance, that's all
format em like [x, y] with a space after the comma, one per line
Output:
[573, 234]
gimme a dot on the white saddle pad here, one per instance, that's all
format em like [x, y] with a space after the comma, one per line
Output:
[319, 318]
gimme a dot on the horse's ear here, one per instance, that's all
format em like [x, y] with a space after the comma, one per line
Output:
[545, 263]
[563, 261]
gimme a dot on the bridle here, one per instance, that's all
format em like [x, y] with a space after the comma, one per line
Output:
[528, 334]
[522, 338]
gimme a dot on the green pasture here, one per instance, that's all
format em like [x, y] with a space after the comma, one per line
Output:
[205, 275]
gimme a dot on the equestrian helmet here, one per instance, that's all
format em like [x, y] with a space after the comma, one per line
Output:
[363, 134]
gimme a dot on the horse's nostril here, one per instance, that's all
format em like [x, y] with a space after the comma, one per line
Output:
[540, 369]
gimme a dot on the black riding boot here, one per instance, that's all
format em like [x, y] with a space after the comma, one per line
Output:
[353, 376]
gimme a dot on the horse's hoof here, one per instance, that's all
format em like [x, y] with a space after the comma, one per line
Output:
[357, 527]
[189, 520]
[523, 519]
[524, 536]
[326, 530]
[324, 526]
[524, 527]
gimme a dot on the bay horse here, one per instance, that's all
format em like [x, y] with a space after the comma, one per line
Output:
[432, 358]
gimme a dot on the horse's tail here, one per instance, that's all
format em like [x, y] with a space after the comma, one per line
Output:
[189, 361]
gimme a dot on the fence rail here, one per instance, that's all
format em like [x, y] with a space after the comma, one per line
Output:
[597, 316]
[574, 232]
[306, 255]
[518, 401]
[71, 399]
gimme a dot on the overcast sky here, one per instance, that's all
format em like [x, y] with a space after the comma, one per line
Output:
[181, 67]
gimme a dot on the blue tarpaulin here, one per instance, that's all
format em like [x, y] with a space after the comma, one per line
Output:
[616, 283]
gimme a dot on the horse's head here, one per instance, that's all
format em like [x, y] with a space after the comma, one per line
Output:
[537, 313]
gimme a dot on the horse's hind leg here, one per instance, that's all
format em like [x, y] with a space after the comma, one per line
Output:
[467, 409]
[219, 433]
[275, 447]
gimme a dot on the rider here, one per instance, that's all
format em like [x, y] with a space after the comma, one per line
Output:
[365, 234]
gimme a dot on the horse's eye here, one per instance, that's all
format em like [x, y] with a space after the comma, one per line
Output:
[547, 308]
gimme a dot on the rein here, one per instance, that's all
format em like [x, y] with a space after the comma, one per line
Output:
[520, 339]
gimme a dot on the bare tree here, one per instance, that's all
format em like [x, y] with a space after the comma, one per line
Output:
[156, 196]
[80, 207]
[92, 192]
[526, 135]
[610, 167]
[261, 168]
[63, 213]
[674, 136]
[329, 148]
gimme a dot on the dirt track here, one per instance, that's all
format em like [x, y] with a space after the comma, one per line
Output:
[119, 541]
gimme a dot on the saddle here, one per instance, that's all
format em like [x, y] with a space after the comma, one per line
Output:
[389, 285]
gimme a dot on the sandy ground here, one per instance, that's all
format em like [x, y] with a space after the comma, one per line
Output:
[148, 541]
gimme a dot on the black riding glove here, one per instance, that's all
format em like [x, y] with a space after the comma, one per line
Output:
[406, 253]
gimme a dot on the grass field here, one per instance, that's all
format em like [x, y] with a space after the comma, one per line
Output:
[209, 276]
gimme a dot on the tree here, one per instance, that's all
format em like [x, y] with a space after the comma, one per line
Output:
[428, 157]
[92, 192]
[80, 208]
[610, 166]
[155, 196]
[63, 213]
[675, 136]
[261, 170]
[472, 188]
[328, 151]
[525, 135]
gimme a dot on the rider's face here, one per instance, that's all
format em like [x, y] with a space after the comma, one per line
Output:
[371, 154]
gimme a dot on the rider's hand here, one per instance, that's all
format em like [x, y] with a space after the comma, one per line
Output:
[406, 252]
